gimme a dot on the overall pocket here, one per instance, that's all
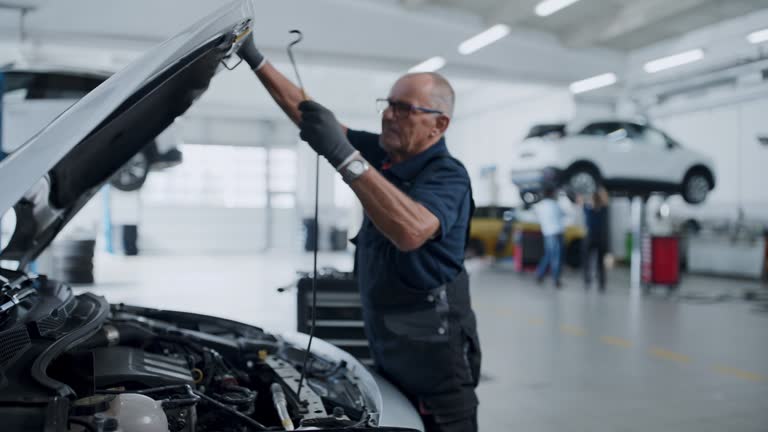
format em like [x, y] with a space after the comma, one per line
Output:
[418, 349]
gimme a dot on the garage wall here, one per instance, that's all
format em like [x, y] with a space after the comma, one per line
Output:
[728, 133]
[206, 230]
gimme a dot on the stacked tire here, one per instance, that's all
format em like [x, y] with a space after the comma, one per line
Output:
[73, 261]
[308, 225]
[130, 239]
[338, 239]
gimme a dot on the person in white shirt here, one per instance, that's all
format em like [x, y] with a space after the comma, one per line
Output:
[552, 220]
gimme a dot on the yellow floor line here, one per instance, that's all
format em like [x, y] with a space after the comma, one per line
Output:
[738, 373]
[670, 355]
[535, 321]
[573, 331]
[616, 341]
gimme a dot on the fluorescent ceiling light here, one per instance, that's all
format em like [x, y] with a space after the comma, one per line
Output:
[673, 61]
[593, 83]
[429, 65]
[548, 7]
[483, 39]
[757, 37]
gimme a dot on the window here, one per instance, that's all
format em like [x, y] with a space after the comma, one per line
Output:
[45, 85]
[282, 177]
[602, 129]
[343, 196]
[547, 130]
[282, 170]
[635, 131]
[654, 138]
[225, 176]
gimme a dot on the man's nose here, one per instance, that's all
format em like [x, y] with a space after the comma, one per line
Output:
[388, 114]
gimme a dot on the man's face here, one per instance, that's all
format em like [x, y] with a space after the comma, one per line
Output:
[409, 134]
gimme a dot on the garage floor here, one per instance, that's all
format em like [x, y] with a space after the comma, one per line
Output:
[570, 360]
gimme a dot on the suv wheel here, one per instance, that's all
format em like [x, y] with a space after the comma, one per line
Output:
[582, 181]
[132, 175]
[696, 187]
[529, 198]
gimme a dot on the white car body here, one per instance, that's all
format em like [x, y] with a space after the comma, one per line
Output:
[624, 156]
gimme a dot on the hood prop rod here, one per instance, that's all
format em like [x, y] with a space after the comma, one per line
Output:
[299, 38]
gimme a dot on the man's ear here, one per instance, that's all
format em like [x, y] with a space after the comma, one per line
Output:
[442, 123]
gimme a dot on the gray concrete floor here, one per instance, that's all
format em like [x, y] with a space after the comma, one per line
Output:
[573, 359]
[579, 360]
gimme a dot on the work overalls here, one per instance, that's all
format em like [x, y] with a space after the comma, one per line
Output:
[424, 341]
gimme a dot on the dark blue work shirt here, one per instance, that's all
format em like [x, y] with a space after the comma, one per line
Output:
[445, 191]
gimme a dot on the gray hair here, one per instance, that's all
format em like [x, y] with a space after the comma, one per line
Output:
[443, 97]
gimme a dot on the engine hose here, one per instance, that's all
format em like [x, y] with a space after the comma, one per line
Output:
[247, 397]
[240, 397]
[112, 334]
[244, 418]
[191, 399]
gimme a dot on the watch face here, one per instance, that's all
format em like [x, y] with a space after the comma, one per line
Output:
[356, 167]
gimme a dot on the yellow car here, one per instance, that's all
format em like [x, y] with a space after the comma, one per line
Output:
[491, 234]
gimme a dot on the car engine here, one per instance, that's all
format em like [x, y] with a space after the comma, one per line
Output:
[85, 365]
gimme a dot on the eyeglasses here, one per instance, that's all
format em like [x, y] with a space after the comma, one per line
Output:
[402, 109]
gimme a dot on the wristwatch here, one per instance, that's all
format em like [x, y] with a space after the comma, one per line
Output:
[353, 167]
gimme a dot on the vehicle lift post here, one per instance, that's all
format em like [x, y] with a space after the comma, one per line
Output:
[639, 228]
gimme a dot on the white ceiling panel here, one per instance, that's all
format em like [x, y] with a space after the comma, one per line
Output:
[616, 24]
[381, 34]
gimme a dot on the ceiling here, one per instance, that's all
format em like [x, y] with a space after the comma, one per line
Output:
[378, 34]
[617, 24]
[588, 38]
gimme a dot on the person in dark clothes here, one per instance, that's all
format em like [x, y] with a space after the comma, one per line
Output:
[596, 242]
[410, 250]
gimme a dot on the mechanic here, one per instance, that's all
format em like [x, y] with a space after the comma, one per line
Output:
[410, 249]
[596, 242]
[552, 220]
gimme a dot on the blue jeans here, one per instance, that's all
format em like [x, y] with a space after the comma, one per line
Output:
[553, 252]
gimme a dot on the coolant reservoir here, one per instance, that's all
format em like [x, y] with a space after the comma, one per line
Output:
[138, 413]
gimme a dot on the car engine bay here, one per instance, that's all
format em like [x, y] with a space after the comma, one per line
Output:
[77, 363]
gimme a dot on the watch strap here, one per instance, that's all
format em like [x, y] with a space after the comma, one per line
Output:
[347, 174]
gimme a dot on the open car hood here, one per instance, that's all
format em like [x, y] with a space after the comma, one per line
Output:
[53, 175]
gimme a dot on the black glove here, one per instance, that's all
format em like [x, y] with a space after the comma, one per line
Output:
[323, 132]
[250, 53]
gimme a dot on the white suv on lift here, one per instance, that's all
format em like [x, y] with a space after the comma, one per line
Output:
[622, 156]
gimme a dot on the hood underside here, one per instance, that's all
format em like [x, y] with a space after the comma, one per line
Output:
[54, 174]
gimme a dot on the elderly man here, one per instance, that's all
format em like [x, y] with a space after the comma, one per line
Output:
[410, 249]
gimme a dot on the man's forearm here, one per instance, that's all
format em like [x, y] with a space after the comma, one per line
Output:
[287, 94]
[402, 220]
